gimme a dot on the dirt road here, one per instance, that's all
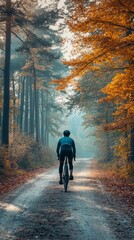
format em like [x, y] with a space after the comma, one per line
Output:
[40, 209]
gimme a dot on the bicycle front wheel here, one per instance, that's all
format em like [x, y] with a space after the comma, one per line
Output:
[65, 184]
[66, 178]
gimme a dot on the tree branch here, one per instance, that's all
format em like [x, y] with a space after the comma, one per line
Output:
[17, 37]
[18, 3]
[130, 10]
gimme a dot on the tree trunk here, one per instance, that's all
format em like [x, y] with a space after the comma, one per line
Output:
[31, 121]
[132, 128]
[36, 107]
[46, 121]
[107, 137]
[22, 102]
[5, 123]
[132, 145]
[107, 147]
[14, 106]
[42, 117]
[37, 116]
[18, 100]
[26, 107]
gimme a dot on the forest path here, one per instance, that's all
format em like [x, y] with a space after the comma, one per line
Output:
[40, 209]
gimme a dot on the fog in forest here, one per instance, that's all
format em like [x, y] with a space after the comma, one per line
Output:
[84, 138]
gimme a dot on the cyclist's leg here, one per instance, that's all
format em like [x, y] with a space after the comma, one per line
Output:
[62, 157]
[70, 158]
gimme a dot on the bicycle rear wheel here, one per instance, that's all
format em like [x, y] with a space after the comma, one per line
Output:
[66, 177]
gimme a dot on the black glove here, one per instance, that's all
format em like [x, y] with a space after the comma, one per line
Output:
[58, 157]
[74, 158]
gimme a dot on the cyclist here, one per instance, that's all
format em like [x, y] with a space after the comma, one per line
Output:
[66, 147]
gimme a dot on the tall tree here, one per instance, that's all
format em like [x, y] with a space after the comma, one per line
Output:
[5, 124]
[13, 15]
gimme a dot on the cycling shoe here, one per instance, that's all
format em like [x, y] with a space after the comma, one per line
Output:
[71, 177]
[60, 182]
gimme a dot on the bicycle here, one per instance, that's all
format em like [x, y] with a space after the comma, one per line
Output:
[65, 174]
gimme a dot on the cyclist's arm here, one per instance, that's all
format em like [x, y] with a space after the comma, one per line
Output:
[74, 150]
[58, 148]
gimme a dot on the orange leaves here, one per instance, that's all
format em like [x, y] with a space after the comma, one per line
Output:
[119, 187]
[13, 181]
[61, 84]
[121, 87]
[100, 30]
[103, 48]
[121, 92]
[114, 88]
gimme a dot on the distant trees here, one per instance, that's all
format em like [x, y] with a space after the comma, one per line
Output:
[32, 59]
[38, 71]
[103, 46]
[12, 14]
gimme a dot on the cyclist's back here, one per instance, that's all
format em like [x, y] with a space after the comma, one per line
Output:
[66, 142]
[66, 147]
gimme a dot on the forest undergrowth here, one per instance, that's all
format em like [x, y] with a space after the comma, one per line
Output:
[118, 185]
[11, 182]
[26, 159]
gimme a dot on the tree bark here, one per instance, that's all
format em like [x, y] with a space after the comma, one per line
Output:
[46, 122]
[107, 137]
[26, 107]
[132, 145]
[22, 102]
[36, 107]
[31, 121]
[42, 117]
[37, 116]
[14, 106]
[5, 123]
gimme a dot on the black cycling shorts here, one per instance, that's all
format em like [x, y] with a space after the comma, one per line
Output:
[66, 152]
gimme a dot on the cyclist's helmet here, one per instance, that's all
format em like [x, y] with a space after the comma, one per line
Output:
[66, 133]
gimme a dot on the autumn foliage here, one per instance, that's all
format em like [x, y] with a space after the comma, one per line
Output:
[103, 53]
[103, 37]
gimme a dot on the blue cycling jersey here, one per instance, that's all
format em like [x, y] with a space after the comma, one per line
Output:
[66, 142]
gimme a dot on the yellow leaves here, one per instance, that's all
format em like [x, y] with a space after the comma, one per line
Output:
[103, 47]
[121, 149]
[62, 84]
[121, 92]
[121, 87]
